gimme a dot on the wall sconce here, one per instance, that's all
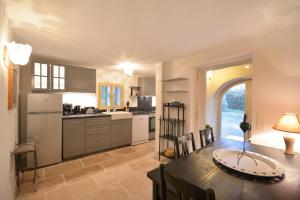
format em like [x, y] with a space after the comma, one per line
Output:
[18, 54]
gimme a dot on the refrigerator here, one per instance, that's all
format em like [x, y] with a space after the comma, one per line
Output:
[44, 123]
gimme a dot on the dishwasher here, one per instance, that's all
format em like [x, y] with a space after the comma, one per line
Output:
[140, 129]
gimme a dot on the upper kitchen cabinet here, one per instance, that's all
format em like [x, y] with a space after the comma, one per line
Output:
[48, 77]
[81, 79]
[52, 77]
[58, 77]
[147, 86]
[41, 76]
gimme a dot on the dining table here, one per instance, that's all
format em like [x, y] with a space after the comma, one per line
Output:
[199, 168]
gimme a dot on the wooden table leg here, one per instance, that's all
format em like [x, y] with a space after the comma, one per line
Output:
[155, 191]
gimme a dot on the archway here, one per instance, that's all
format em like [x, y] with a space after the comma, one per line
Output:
[233, 107]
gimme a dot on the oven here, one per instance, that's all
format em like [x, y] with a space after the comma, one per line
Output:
[151, 126]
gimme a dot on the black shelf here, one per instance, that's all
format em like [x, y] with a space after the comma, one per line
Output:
[171, 125]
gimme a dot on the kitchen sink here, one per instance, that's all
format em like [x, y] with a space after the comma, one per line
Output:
[119, 115]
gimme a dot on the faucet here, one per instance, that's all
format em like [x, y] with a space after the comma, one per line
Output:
[114, 109]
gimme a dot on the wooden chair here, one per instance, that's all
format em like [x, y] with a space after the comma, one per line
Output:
[182, 190]
[206, 136]
[185, 142]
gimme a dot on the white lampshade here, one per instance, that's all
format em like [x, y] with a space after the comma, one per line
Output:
[19, 54]
[288, 122]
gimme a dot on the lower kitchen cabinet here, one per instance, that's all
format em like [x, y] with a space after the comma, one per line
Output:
[73, 137]
[87, 135]
[98, 134]
[97, 142]
[121, 132]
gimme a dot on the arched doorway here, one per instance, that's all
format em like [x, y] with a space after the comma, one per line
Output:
[233, 107]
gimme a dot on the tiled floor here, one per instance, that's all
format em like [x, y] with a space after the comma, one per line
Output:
[114, 175]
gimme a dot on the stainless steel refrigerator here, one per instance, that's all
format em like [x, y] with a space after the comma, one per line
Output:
[44, 123]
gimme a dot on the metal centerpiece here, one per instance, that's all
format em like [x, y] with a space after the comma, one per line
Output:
[245, 126]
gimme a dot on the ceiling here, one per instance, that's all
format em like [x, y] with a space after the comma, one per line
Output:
[101, 33]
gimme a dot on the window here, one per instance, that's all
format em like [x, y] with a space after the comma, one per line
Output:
[110, 95]
[58, 77]
[41, 73]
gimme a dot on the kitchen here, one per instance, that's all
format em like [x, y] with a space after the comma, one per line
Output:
[77, 111]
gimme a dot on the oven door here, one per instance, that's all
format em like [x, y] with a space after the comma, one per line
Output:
[151, 124]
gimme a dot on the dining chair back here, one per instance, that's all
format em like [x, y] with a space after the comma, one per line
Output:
[187, 144]
[206, 136]
[181, 190]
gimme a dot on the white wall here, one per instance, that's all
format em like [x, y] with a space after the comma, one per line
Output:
[8, 120]
[276, 76]
[119, 77]
[81, 99]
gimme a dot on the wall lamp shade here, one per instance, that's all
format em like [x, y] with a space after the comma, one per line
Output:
[19, 54]
[288, 122]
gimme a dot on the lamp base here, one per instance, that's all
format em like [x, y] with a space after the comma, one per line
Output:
[289, 145]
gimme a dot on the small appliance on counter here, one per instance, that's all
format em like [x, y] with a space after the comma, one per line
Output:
[67, 109]
[77, 110]
[89, 110]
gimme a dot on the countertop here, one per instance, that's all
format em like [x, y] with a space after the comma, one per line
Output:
[142, 112]
[104, 114]
[85, 115]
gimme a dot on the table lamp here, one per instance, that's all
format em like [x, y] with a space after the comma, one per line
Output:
[288, 122]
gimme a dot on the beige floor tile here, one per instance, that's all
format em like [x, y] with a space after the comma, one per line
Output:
[104, 179]
[81, 172]
[53, 170]
[115, 161]
[28, 175]
[62, 168]
[113, 192]
[143, 195]
[49, 182]
[136, 183]
[43, 184]
[73, 191]
[93, 159]
[124, 151]
[147, 163]
[33, 197]
[117, 174]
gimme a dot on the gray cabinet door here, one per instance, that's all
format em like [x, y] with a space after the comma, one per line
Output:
[81, 79]
[147, 86]
[98, 134]
[73, 137]
[121, 132]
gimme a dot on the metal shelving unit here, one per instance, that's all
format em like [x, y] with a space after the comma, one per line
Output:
[171, 127]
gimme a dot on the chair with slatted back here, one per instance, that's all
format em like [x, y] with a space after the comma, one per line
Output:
[206, 136]
[180, 189]
[187, 144]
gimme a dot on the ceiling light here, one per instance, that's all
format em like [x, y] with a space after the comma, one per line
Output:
[128, 67]
[19, 53]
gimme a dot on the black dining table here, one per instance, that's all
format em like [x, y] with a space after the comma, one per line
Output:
[200, 169]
